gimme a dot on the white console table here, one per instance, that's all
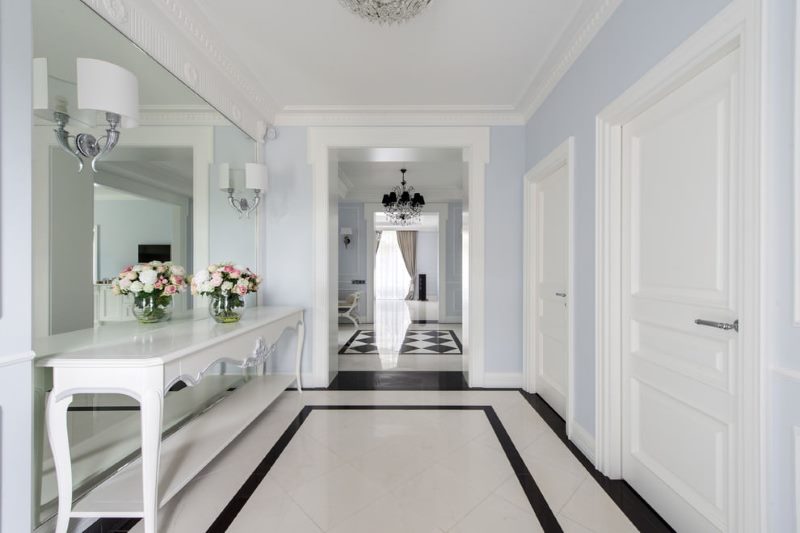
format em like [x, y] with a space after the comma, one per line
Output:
[143, 362]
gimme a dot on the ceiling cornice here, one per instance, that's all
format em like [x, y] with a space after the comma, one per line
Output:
[431, 115]
[179, 37]
[567, 50]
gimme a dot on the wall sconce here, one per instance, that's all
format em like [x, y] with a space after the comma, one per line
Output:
[101, 87]
[346, 233]
[256, 178]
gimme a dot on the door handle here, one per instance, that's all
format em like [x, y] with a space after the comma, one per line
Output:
[561, 294]
[719, 325]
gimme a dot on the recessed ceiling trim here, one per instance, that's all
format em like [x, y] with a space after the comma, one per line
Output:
[178, 36]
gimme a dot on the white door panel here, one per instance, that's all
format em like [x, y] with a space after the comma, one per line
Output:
[679, 177]
[551, 208]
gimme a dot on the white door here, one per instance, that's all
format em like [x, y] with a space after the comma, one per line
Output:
[680, 172]
[551, 257]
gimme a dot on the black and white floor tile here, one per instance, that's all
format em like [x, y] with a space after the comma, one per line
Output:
[346, 461]
[415, 342]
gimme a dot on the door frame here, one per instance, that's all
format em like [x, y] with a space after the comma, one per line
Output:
[735, 27]
[321, 143]
[562, 156]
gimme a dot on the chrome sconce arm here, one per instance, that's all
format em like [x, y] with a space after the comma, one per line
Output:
[242, 205]
[86, 144]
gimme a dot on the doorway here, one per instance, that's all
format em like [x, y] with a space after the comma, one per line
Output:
[323, 146]
[678, 379]
[548, 273]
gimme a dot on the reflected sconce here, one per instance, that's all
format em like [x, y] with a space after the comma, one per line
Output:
[103, 88]
[346, 234]
[256, 179]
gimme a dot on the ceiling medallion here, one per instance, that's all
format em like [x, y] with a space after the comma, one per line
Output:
[403, 206]
[386, 11]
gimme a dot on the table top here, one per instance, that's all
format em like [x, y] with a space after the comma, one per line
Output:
[131, 344]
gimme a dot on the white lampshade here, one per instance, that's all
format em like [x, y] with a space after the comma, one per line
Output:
[224, 176]
[256, 176]
[108, 88]
[346, 231]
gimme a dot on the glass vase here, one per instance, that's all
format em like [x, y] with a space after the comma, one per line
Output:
[151, 308]
[226, 308]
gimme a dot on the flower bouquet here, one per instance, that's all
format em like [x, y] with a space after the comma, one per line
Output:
[152, 285]
[227, 285]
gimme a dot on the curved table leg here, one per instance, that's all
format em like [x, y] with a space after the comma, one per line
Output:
[301, 333]
[59, 444]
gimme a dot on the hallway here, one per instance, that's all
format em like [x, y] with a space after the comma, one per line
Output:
[398, 341]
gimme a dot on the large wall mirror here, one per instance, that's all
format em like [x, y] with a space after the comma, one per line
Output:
[156, 195]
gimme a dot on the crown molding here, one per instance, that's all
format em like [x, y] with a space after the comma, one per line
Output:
[568, 49]
[183, 115]
[429, 115]
[176, 35]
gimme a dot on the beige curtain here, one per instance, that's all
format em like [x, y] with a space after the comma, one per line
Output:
[408, 247]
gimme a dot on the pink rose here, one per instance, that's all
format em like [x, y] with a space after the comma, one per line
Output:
[177, 280]
[158, 284]
[235, 273]
[131, 275]
[216, 279]
[170, 289]
[127, 269]
[241, 290]
[228, 269]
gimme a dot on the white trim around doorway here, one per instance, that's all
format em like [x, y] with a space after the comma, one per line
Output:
[735, 27]
[561, 156]
[475, 143]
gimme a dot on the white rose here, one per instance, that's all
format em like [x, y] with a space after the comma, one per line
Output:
[243, 282]
[125, 283]
[137, 268]
[148, 288]
[136, 287]
[201, 277]
[206, 287]
[148, 277]
[178, 271]
[227, 286]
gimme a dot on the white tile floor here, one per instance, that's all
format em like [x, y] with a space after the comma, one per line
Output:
[392, 319]
[393, 471]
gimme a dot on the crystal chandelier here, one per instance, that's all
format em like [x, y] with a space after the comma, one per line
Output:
[403, 206]
[386, 11]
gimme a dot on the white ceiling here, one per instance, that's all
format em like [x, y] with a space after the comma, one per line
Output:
[314, 56]
[427, 222]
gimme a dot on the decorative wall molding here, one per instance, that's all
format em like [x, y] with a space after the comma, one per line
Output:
[568, 49]
[173, 33]
[16, 358]
[185, 115]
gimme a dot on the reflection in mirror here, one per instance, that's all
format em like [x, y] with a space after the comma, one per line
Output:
[152, 197]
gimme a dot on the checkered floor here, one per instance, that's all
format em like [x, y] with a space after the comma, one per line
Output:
[415, 342]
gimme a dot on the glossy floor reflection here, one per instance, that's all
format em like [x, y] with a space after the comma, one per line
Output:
[393, 319]
[419, 468]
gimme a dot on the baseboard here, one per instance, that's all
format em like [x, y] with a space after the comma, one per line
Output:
[583, 440]
[502, 380]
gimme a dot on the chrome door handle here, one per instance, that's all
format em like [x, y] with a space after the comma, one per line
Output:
[719, 325]
[561, 294]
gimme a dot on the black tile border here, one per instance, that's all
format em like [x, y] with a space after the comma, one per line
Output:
[542, 510]
[362, 380]
[638, 511]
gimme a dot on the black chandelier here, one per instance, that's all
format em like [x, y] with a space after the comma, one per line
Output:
[403, 206]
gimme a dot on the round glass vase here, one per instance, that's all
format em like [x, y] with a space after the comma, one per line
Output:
[226, 308]
[151, 308]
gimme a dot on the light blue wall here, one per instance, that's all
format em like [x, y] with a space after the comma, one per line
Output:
[231, 238]
[781, 336]
[503, 251]
[636, 38]
[124, 225]
[353, 259]
[428, 261]
[286, 227]
[452, 277]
